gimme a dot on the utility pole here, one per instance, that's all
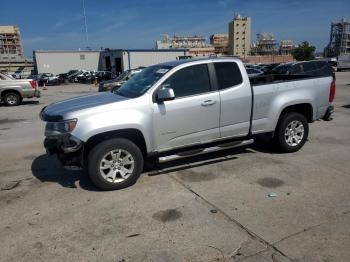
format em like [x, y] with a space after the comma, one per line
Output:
[85, 27]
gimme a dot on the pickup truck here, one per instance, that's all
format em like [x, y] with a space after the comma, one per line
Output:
[180, 107]
[12, 91]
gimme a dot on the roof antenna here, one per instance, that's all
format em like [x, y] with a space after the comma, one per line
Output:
[85, 28]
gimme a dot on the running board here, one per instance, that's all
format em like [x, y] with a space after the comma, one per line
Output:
[201, 151]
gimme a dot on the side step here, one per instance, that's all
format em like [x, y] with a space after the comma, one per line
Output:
[202, 151]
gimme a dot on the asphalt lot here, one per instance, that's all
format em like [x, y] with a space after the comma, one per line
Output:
[209, 208]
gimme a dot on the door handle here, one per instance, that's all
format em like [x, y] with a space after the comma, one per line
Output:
[209, 103]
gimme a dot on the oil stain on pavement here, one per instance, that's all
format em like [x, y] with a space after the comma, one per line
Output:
[167, 215]
[270, 182]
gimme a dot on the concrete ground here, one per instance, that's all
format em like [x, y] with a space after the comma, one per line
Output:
[209, 208]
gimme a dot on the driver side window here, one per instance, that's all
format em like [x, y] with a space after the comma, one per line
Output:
[189, 81]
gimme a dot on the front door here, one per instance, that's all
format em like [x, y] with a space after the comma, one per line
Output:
[193, 116]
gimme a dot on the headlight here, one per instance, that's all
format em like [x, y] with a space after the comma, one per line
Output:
[60, 128]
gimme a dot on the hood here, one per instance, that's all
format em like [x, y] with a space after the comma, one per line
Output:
[59, 109]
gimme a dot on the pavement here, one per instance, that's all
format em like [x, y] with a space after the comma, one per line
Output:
[214, 207]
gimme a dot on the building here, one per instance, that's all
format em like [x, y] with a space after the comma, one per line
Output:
[10, 44]
[268, 59]
[220, 43]
[57, 62]
[114, 60]
[12, 60]
[23, 68]
[195, 41]
[339, 42]
[286, 47]
[239, 36]
[119, 60]
[195, 44]
[266, 44]
[201, 51]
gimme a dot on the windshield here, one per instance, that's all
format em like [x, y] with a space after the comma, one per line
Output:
[7, 77]
[122, 75]
[141, 82]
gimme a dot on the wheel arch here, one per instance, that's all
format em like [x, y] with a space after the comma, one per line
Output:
[132, 134]
[6, 91]
[304, 109]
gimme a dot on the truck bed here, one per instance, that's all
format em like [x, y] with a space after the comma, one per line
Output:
[270, 90]
[272, 79]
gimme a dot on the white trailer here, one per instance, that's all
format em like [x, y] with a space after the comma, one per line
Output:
[343, 62]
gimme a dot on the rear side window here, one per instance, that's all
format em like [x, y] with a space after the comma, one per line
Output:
[189, 81]
[228, 75]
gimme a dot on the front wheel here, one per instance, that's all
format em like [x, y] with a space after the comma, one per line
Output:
[291, 132]
[12, 99]
[115, 164]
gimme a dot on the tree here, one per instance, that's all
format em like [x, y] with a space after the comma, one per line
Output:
[304, 52]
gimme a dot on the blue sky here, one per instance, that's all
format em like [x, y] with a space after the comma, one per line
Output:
[58, 25]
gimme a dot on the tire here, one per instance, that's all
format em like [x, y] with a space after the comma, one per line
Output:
[12, 99]
[291, 132]
[114, 89]
[105, 164]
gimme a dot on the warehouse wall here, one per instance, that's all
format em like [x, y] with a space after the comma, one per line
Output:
[142, 57]
[57, 62]
[147, 58]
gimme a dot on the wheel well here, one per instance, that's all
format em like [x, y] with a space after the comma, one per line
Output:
[133, 135]
[304, 109]
[9, 91]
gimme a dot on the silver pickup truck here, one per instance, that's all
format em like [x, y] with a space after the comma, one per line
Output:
[12, 91]
[175, 108]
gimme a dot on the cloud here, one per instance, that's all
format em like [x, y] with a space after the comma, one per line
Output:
[223, 3]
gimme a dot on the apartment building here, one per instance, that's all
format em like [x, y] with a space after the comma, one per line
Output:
[239, 36]
[10, 44]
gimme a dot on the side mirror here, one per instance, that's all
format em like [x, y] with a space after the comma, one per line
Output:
[165, 94]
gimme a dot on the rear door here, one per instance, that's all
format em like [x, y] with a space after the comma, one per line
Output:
[193, 116]
[236, 100]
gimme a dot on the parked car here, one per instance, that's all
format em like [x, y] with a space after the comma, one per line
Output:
[305, 68]
[85, 77]
[176, 107]
[114, 84]
[254, 72]
[63, 78]
[16, 76]
[73, 77]
[268, 69]
[46, 78]
[103, 76]
[13, 91]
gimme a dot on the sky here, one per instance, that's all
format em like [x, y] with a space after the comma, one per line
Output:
[59, 25]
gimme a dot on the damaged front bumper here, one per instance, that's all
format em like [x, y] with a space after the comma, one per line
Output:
[68, 149]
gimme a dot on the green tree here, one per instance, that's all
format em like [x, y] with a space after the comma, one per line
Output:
[304, 52]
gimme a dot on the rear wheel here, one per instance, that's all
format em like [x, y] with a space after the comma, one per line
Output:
[291, 132]
[115, 164]
[12, 99]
